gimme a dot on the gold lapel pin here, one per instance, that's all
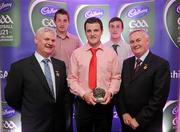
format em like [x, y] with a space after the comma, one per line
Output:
[57, 73]
[145, 66]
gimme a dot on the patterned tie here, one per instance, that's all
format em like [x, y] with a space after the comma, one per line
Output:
[47, 74]
[93, 70]
[115, 48]
[138, 62]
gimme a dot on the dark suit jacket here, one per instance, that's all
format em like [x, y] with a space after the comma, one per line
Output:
[27, 91]
[144, 94]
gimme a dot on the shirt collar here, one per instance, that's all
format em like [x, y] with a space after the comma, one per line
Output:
[67, 35]
[88, 47]
[118, 43]
[40, 57]
[144, 55]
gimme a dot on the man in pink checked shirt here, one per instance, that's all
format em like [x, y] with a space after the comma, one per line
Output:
[90, 115]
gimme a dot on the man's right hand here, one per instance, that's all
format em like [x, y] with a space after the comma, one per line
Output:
[89, 98]
[127, 118]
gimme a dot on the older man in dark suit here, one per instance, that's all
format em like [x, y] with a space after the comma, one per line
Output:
[144, 89]
[37, 87]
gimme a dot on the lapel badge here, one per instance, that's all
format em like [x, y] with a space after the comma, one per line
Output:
[145, 66]
[57, 73]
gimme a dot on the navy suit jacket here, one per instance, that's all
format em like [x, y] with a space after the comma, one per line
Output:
[144, 94]
[27, 91]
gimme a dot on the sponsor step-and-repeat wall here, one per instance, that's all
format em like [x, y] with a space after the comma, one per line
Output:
[19, 20]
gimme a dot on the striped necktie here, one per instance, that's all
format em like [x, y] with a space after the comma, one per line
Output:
[47, 74]
[138, 64]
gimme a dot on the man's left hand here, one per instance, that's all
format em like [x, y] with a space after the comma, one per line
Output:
[107, 98]
[134, 124]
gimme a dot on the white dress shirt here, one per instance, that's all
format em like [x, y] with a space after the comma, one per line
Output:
[123, 50]
[40, 59]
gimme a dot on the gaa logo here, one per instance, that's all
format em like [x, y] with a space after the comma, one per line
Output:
[3, 74]
[138, 24]
[94, 13]
[9, 125]
[48, 22]
[5, 19]
[6, 5]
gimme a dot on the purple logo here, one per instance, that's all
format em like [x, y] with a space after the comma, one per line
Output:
[175, 113]
[94, 13]
[8, 112]
[6, 5]
[138, 12]
[175, 110]
[178, 9]
[48, 11]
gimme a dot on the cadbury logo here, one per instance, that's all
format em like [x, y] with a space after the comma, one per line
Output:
[178, 9]
[94, 13]
[6, 5]
[175, 110]
[48, 11]
[8, 112]
[138, 12]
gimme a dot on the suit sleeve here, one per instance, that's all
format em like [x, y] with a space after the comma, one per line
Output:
[161, 84]
[13, 89]
[119, 98]
[66, 89]
[68, 102]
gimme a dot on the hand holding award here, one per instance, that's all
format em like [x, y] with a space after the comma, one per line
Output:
[99, 94]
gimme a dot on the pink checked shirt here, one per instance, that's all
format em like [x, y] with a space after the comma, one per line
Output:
[108, 70]
[65, 47]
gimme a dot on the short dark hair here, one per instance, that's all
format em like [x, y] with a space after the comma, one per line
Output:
[116, 19]
[93, 20]
[61, 11]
